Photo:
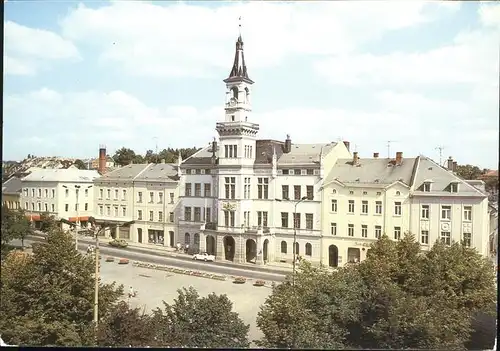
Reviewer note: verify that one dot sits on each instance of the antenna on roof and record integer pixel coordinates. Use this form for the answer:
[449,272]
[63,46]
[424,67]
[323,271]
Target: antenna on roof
[389,147]
[440,148]
[239,26]
[156,139]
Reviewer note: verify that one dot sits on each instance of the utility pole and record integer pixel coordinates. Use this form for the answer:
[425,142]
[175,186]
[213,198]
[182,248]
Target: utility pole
[96,286]
[440,148]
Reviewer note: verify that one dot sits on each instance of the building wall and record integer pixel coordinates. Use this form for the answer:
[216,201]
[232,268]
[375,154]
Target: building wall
[110,206]
[12,201]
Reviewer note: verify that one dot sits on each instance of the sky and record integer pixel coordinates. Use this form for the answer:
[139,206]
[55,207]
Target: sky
[145,74]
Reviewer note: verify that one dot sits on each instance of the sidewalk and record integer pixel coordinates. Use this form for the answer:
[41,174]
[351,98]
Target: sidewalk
[156,250]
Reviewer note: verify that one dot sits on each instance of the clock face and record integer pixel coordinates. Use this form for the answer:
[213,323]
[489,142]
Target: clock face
[232,102]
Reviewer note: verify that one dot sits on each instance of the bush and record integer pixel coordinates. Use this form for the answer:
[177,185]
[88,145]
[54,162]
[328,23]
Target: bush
[239,280]
[259,283]
[123,261]
[118,243]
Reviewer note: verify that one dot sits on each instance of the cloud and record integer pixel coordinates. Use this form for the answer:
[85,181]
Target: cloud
[182,39]
[29,49]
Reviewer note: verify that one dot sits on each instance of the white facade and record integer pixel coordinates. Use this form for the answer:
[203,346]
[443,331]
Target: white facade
[56,191]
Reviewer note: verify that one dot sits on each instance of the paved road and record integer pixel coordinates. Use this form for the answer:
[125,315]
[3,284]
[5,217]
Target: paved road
[174,262]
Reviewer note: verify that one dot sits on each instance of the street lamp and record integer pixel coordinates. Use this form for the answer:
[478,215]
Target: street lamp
[77,191]
[102,228]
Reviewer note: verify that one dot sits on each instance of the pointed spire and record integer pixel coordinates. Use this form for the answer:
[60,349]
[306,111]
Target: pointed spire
[239,69]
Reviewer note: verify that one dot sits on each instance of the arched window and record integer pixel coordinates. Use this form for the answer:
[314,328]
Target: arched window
[296,248]
[247,95]
[309,249]
[187,238]
[234,92]
[334,191]
[283,247]
[398,193]
[197,240]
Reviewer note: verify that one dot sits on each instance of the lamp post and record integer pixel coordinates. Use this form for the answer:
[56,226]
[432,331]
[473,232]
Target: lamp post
[77,191]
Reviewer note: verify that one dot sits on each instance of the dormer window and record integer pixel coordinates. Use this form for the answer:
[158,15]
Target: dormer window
[427,187]
[454,187]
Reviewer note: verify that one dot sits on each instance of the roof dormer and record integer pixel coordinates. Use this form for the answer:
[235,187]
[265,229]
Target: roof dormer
[454,187]
[427,186]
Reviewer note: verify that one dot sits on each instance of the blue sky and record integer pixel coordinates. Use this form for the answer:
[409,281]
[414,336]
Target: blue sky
[423,74]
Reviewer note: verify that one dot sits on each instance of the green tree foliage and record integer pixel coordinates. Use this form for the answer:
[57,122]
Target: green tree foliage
[194,321]
[469,171]
[15,225]
[125,156]
[80,164]
[47,297]
[48,222]
[399,297]
[124,327]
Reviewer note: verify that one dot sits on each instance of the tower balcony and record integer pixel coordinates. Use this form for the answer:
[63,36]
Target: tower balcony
[241,124]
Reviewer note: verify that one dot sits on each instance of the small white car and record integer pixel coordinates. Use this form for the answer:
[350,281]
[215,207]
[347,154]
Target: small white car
[203,256]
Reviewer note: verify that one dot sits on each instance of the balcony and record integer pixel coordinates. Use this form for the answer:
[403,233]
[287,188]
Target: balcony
[257,230]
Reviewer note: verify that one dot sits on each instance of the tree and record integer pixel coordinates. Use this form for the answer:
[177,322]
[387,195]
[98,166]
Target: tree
[192,321]
[80,164]
[47,222]
[124,327]
[469,172]
[399,297]
[15,225]
[48,299]
[124,156]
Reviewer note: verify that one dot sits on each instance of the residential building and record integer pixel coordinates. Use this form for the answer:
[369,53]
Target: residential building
[239,194]
[11,193]
[144,193]
[366,198]
[56,191]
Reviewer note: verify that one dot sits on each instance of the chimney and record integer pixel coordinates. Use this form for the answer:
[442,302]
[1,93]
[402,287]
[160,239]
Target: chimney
[347,145]
[214,152]
[375,155]
[454,167]
[288,144]
[355,158]
[102,159]
[399,158]
[450,164]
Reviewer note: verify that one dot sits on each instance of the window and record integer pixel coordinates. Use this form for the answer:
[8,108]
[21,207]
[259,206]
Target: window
[397,233]
[467,240]
[139,197]
[139,215]
[351,206]
[207,189]
[116,194]
[76,207]
[151,197]
[296,171]
[364,207]
[230,187]
[124,211]
[425,211]
[197,189]
[378,207]
[424,237]
[208,214]
[284,219]
[187,189]
[246,189]
[365,193]
[350,230]
[171,217]
[39,206]
[197,214]
[116,211]
[285,195]
[53,193]
[33,206]
[262,218]
[39,192]
[231,151]
[308,249]
[229,218]
[296,191]
[309,221]
[187,213]
[454,188]
[262,188]
[108,210]
[101,193]
[379,193]
[86,207]
[198,171]
[334,205]
[446,238]
[398,193]
[310,192]
[52,207]
[188,171]
[160,216]
[101,210]
[426,187]
[333,228]
[297,251]
[283,247]
[364,231]
[467,213]
[296,220]
[124,194]
[108,194]
[351,192]
[26,192]
[286,172]
[86,192]
[397,208]
[66,207]
[246,218]
[66,192]
[46,193]
[446,212]
[33,192]
[171,198]
[46,206]
[310,171]
[160,197]
[378,231]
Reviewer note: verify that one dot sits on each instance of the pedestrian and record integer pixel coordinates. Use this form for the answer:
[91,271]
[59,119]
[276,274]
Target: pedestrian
[131,292]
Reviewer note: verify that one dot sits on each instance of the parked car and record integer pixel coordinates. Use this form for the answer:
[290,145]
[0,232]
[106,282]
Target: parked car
[204,256]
